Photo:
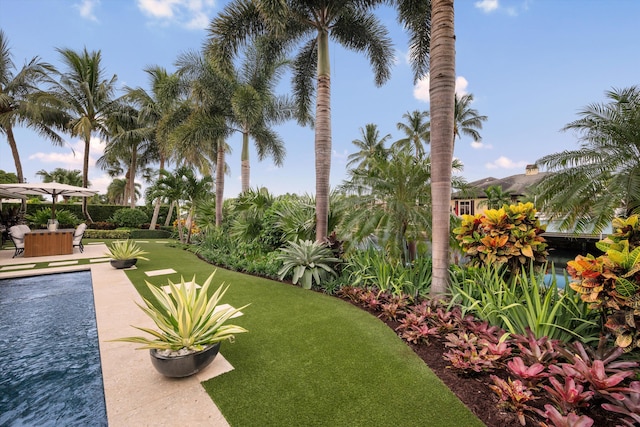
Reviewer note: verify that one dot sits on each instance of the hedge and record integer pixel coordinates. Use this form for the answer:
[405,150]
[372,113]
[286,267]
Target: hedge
[99,213]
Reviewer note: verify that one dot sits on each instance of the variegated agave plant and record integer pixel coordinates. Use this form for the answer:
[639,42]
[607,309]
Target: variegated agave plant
[187,318]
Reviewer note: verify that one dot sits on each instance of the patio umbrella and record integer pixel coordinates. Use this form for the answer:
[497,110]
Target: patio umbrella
[54,189]
[5,194]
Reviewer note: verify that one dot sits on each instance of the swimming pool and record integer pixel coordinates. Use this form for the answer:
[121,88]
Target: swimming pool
[50,372]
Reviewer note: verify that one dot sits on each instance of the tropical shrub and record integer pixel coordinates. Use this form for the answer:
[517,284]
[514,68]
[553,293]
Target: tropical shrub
[128,217]
[40,217]
[305,261]
[509,236]
[523,304]
[610,282]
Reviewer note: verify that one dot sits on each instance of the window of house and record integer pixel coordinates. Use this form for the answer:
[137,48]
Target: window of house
[465,207]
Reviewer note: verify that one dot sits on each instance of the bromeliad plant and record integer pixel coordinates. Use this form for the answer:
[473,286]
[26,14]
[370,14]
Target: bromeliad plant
[611,282]
[509,236]
[308,260]
[125,249]
[187,318]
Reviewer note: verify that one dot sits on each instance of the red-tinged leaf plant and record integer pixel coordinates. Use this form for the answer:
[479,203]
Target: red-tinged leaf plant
[570,420]
[531,375]
[513,395]
[568,396]
[626,403]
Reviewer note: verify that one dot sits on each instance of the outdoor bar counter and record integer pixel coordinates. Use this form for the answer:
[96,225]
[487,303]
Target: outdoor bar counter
[45,242]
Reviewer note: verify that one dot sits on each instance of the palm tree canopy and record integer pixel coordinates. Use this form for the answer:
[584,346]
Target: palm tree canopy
[416,130]
[371,147]
[591,183]
[292,24]
[467,120]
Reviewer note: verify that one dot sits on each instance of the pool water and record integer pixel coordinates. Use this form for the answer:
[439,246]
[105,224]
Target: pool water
[50,372]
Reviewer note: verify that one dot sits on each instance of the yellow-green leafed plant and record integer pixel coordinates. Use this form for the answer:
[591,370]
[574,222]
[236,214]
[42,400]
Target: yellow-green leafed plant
[126,249]
[186,317]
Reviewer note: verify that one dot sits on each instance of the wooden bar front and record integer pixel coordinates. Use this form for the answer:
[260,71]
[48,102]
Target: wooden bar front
[45,243]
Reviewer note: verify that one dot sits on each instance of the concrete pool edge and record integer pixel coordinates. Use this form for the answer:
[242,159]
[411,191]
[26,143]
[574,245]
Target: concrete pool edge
[135,394]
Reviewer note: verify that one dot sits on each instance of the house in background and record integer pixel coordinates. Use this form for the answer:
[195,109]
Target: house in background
[474,199]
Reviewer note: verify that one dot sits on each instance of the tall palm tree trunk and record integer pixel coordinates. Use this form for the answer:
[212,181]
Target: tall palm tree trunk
[323,138]
[132,180]
[244,159]
[442,92]
[219,182]
[167,221]
[16,160]
[85,177]
[156,208]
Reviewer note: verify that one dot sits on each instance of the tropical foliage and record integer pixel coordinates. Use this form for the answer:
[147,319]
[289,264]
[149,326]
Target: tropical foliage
[611,283]
[125,249]
[602,177]
[306,261]
[509,236]
[186,317]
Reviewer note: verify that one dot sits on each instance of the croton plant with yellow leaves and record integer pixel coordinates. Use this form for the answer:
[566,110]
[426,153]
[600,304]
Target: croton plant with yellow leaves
[611,282]
[508,236]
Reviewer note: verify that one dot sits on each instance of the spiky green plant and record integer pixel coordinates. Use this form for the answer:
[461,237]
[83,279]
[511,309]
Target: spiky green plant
[308,260]
[186,317]
[125,249]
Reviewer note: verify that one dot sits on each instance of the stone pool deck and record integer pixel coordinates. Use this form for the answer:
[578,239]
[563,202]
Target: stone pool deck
[135,394]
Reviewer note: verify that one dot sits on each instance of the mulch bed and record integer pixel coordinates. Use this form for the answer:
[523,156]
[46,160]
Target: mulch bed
[475,393]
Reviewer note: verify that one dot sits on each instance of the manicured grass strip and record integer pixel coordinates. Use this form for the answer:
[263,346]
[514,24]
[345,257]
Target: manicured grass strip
[312,360]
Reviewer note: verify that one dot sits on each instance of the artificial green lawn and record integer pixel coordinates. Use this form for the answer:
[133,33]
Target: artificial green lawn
[310,359]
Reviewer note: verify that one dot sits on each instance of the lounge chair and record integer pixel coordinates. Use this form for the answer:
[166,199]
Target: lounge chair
[17,233]
[77,236]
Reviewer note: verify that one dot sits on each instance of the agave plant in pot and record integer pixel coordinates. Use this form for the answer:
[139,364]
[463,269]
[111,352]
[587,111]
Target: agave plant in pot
[125,253]
[191,326]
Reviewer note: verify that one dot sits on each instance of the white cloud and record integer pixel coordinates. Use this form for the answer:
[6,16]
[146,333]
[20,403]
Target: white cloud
[479,145]
[72,159]
[505,163]
[100,182]
[421,89]
[487,6]
[193,14]
[86,8]
[340,156]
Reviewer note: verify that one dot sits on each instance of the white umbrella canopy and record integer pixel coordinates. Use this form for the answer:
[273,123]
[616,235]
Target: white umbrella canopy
[5,194]
[53,189]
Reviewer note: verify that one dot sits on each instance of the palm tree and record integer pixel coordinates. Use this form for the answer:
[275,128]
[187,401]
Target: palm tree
[118,192]
[442,78]
[255,106]
[371,148]
[132,143]
[195,190]
[200,139]
[17,106]
[392,201]
[160,110]
[496,197]
[62,176]
[467,120]
[602,177]
[416,131]
[309,25]
[86,97]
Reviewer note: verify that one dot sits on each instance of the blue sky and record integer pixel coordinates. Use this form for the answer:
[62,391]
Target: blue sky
[531,65]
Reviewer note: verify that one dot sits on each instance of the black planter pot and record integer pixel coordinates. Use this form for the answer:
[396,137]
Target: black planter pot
[123,263]
[184,366]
